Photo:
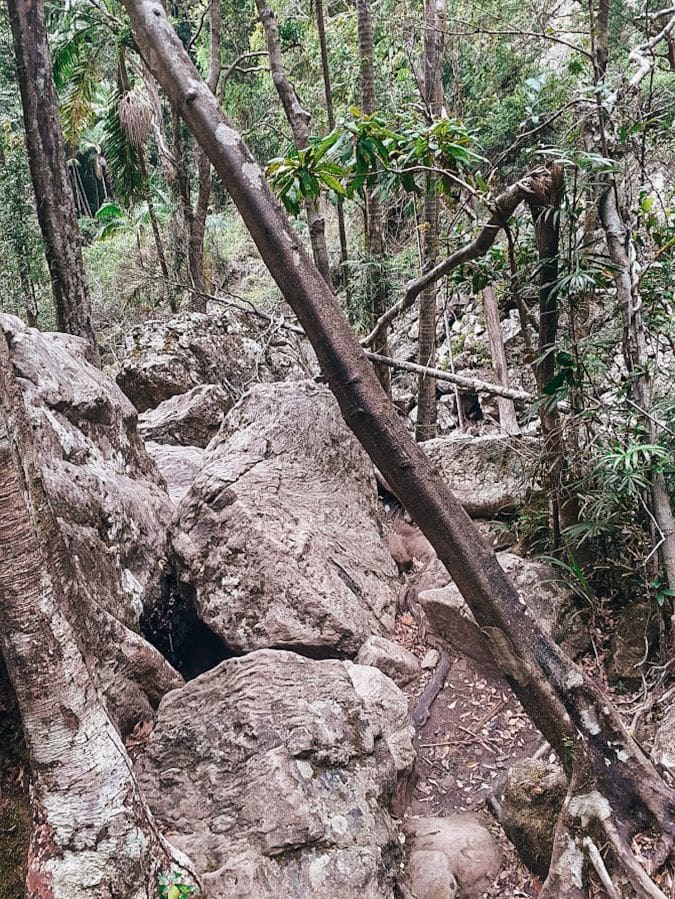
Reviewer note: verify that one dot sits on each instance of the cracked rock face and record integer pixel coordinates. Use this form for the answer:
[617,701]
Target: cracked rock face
[188,419]
[278,542]
[274,775]
[110,505]
[163,359]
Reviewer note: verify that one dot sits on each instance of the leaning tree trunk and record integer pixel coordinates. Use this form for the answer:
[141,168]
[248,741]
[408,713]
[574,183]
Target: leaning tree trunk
[330,113]
[46,156]
[376,277]
[427,404]
[298,119]
[93,834]
[572,712]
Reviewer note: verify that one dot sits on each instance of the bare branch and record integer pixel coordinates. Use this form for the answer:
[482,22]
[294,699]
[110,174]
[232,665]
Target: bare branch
[475,384]
[534,185]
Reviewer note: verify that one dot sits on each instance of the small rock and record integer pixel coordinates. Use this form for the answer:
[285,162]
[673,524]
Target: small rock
[396,662]
[531,802]
[470,849]
[430,876]
[431,659]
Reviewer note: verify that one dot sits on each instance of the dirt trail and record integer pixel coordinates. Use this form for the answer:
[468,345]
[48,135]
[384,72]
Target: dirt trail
[475,732]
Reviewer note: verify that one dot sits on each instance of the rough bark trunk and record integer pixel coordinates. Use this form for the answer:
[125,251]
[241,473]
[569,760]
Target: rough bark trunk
[620,246]
[198,229]
[93,833]
[328,93]
[622,253]
[564,506]
[507,410]
[376,281]
[570,710]
[46,156]
[427,406]
[298,119]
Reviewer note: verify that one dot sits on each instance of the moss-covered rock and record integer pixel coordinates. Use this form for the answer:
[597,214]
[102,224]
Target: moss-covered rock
[531,802]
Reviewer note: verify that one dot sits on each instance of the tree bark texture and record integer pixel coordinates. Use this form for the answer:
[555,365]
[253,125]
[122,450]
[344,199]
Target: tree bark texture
[507,410]
[46,156]
[427,405]
[93,834]
[299,120]
[569,708]
[376,279]
[546,218]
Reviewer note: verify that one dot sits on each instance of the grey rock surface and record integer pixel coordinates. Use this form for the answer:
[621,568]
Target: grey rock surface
[488,474]
[187,419]
[166,357]
[473,855]
[179,466]
[111,507]
[274,776]
[278,540]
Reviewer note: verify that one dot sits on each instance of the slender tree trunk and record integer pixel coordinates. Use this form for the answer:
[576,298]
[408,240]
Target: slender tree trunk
[427,404]
[198,229]
[93,834]
[507,409]
[330,113]
[376,280]
[299,120]
[623,253]
[575,715]
[46,155]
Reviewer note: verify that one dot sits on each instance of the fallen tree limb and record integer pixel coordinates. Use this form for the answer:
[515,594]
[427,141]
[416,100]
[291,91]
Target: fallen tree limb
[534,186]
[475,384]
[422,709]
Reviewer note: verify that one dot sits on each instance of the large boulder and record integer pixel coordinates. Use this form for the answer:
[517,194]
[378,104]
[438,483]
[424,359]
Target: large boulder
[277,543]
[548,599]
[164,358]
[274,776]
[488,474]
[111,507]
[187,419]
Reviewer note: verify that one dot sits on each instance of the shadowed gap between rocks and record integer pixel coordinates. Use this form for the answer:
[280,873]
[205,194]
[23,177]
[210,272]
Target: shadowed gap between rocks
[174,628]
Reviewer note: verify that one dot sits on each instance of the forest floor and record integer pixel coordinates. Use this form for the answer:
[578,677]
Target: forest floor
[475,732]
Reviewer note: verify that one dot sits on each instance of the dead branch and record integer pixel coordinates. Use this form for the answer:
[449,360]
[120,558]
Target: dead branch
[422,709]
[534,186]
[475,384]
